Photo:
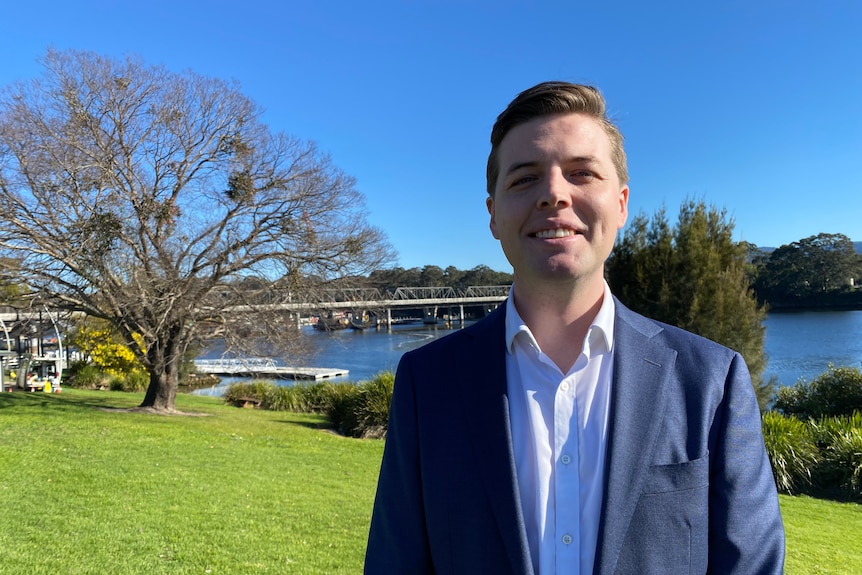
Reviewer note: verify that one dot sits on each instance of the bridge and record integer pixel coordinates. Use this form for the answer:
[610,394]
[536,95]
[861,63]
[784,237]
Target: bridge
[358,300]
[353,300]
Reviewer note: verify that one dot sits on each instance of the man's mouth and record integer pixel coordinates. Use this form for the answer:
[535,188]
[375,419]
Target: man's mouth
[555,233]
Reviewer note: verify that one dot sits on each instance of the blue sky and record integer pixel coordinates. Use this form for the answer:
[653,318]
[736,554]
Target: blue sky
[751,105]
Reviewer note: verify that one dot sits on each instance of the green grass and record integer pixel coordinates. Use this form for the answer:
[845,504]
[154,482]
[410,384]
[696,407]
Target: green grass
[85,490]
[89,490]
[822,536]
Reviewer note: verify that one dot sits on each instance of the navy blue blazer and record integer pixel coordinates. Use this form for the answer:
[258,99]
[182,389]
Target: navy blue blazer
[689,488]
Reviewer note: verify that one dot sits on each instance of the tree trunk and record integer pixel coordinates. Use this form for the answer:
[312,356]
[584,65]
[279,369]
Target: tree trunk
[163,362]
[162,392]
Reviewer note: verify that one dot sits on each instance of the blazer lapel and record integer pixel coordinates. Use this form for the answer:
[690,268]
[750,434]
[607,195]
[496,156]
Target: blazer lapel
[483,364]
[640,368]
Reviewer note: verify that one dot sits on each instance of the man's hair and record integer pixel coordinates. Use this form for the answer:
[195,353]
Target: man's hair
[548,99]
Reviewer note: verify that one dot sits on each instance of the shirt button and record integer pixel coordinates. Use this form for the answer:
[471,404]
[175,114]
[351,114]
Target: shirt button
[566,459]
[564,386]
[567,539]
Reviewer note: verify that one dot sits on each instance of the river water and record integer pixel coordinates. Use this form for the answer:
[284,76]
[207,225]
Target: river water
[803,344]
[798,344]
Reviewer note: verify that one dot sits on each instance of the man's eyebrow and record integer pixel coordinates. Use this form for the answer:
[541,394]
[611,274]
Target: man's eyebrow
[520,166]
[583,160]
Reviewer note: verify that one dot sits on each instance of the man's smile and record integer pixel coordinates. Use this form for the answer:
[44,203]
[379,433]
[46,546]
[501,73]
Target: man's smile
[555,233]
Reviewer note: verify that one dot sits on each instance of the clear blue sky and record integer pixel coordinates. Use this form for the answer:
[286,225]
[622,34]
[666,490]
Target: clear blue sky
[751,105]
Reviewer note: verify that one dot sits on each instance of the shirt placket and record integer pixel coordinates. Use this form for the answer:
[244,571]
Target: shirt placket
[566,480]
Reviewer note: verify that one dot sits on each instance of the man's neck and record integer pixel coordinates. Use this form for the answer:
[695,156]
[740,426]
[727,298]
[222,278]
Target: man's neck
[559,316]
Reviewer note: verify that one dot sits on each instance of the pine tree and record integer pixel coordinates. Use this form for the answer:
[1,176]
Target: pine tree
[694,276]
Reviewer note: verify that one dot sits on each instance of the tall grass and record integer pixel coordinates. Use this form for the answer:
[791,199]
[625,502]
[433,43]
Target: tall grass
[840,442]
[791,449]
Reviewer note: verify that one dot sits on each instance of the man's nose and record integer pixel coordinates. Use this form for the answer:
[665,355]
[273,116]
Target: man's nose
[555,191]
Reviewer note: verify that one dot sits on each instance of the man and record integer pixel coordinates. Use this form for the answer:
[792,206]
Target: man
[565,433]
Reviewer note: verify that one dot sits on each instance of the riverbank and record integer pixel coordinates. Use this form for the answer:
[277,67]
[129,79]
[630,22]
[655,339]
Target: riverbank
[832,301]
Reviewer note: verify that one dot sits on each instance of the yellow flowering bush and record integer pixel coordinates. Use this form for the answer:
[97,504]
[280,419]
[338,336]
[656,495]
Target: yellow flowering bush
[98,342]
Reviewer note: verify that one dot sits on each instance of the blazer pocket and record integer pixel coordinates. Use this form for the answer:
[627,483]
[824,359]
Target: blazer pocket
[678,476]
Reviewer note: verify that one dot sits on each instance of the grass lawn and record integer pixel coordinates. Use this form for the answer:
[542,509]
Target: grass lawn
[822,536]
[88,489]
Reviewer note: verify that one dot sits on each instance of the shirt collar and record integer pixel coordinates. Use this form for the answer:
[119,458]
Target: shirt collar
[601,327]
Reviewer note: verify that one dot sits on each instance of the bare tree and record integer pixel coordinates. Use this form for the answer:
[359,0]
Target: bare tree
[146,197]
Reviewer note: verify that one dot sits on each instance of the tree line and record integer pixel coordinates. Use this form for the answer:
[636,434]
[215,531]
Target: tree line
[434,276]
[818,271]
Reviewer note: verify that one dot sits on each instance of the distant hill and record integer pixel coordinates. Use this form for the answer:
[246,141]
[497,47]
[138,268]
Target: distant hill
[856,245]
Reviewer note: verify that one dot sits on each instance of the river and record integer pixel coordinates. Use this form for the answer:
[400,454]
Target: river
[803,344]
[798,344]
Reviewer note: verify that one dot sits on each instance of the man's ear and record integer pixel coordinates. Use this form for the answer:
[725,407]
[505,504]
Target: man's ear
[489,203]
[624,207]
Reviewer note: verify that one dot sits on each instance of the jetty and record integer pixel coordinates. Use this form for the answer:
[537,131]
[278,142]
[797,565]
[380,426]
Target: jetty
[264,367]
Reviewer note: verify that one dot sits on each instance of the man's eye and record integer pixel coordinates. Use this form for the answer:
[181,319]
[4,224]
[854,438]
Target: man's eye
[583,174]
[522,180]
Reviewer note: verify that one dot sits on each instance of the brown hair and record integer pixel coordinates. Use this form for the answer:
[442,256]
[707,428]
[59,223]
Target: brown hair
[547,99]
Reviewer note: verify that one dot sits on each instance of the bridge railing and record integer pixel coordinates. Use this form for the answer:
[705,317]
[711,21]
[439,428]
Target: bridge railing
[486,291]
[245,363]
[325,297]
[407,293]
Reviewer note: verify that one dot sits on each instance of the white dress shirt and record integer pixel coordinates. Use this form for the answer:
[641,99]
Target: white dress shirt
[559,431]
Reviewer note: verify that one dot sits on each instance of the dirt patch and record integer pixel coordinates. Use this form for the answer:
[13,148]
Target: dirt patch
[153,411]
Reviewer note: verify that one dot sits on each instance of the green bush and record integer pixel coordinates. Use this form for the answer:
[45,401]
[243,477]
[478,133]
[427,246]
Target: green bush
[365,413]
[356,410]
[322,396]
[840,442]
[116,383]
[792,451]
[373,409]
[137,381]
[283,398]
[88,376]
[257,390]
[837,391]
[335,401]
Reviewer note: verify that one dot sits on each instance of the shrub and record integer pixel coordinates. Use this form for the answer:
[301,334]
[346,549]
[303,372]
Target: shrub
[837,391]
[129,382]
[257,390]
[322,397]
[137,380]
[356,410]
[840,442]
[365,413]
[792,451]
[88,376]
[283,398]
[337,403]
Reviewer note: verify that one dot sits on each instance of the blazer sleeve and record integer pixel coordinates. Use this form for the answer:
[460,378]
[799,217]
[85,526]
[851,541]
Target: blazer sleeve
[398,540]
[746,533]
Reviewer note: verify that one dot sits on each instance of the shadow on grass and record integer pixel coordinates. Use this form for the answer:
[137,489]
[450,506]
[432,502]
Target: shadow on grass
[56,401]
[322,425]
[835,494]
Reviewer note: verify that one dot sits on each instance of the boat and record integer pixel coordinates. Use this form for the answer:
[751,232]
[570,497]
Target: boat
[364,320]
[332,322]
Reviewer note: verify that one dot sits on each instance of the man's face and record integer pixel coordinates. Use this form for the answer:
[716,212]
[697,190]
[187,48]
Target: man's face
[558,202]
